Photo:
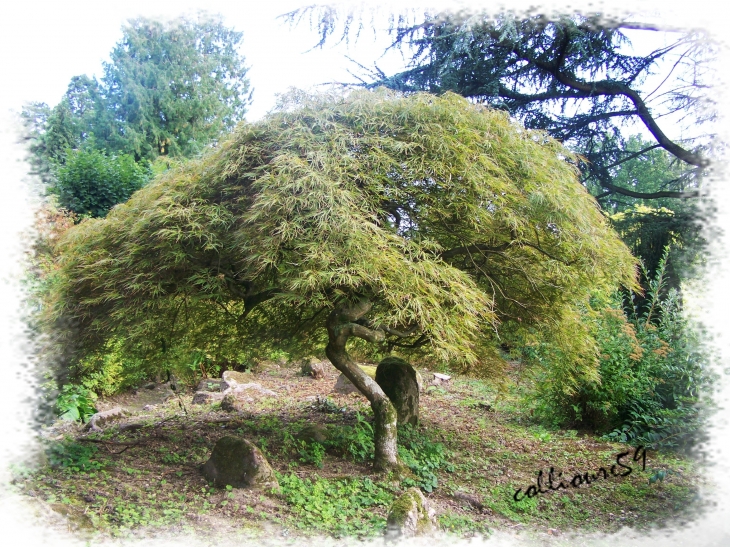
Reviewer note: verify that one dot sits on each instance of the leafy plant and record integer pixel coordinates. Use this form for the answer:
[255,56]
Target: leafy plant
[356,441]
[73,456]
[309,452]
[75,403]
[651,367]
[91,183]
[341,506]
[423,457]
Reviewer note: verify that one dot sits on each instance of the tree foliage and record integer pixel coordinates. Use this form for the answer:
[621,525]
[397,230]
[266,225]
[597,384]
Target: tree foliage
[421,223]
[90,182]
[570,75]
[172,88]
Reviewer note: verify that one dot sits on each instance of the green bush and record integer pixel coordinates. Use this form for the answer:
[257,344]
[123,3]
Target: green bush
[652,369]
[75,403]
[109,371]
[91,183]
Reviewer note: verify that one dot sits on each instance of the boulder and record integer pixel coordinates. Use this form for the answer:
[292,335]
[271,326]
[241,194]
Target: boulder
[102,418]
[210,384]
[313,433]
[237,462]
[314,368]
[344,386]
[249,389]
[206,397]
[399,381]
[439,379]
[232,378]
[232,403]
[410,515]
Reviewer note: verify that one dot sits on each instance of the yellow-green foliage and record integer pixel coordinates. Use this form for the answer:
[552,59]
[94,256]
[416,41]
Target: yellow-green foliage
[449,217]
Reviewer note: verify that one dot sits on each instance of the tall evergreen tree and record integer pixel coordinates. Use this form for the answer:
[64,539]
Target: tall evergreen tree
[172,88]
[572,76]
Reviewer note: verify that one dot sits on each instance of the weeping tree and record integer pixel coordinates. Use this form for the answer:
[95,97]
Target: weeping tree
[422,224]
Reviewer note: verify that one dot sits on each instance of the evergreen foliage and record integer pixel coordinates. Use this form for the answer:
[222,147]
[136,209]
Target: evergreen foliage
[90,182]
[173,88]
[570,75]
[170,90]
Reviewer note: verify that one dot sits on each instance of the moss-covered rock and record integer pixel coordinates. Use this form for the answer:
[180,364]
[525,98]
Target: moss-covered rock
[399,381]
[313,433]
[344,385]
[410,515]
[238,462]
[231,378]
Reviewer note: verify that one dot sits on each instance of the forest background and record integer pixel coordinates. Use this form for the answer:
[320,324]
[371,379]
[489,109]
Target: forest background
[14,212]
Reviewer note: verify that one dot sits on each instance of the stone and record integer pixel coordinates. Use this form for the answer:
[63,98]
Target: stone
[439,379]
[210,384]
[312,367]
[101,418]
[410,515]
[399,381]
[344,386]
[237,462]
[313,433]
[233,377]
[249,389]
[471,499]
[206,397]
[232,403]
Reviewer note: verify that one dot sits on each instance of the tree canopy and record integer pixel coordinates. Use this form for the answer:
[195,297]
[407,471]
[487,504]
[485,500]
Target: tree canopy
[170,90]
[416,223]
[572,75]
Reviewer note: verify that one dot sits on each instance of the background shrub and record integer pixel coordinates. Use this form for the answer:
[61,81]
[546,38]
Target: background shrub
[652,370]
[91,183]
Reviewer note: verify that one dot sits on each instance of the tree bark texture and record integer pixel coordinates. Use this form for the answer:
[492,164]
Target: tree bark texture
[340,327]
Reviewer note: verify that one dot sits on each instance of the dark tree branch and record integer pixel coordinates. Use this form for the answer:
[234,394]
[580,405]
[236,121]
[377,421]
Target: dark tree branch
[645,195]
[610,88]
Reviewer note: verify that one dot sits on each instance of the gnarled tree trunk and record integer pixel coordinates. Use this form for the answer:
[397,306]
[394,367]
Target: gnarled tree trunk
[340,327]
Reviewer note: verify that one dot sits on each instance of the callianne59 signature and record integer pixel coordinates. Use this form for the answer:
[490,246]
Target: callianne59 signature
[585,478]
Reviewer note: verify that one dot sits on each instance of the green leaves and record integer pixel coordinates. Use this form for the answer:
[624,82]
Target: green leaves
[339,506]
[173,88]
[450,219]
[91,183]
[75,403]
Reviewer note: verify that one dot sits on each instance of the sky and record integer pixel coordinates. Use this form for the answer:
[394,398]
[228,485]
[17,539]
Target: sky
[44,44]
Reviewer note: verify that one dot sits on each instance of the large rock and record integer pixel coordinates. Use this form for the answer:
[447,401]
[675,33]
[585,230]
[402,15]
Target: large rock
[206,397]
[250,389]
[231,378]
[344,386]
[410,515]
[238,462]
[233,402]
[102,418]
[399,381]
[210,384]
[314,368]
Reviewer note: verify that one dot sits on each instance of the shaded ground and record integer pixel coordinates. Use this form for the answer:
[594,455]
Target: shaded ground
[470,454]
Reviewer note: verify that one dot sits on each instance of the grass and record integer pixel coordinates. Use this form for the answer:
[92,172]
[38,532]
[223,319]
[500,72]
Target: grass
[471,440]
